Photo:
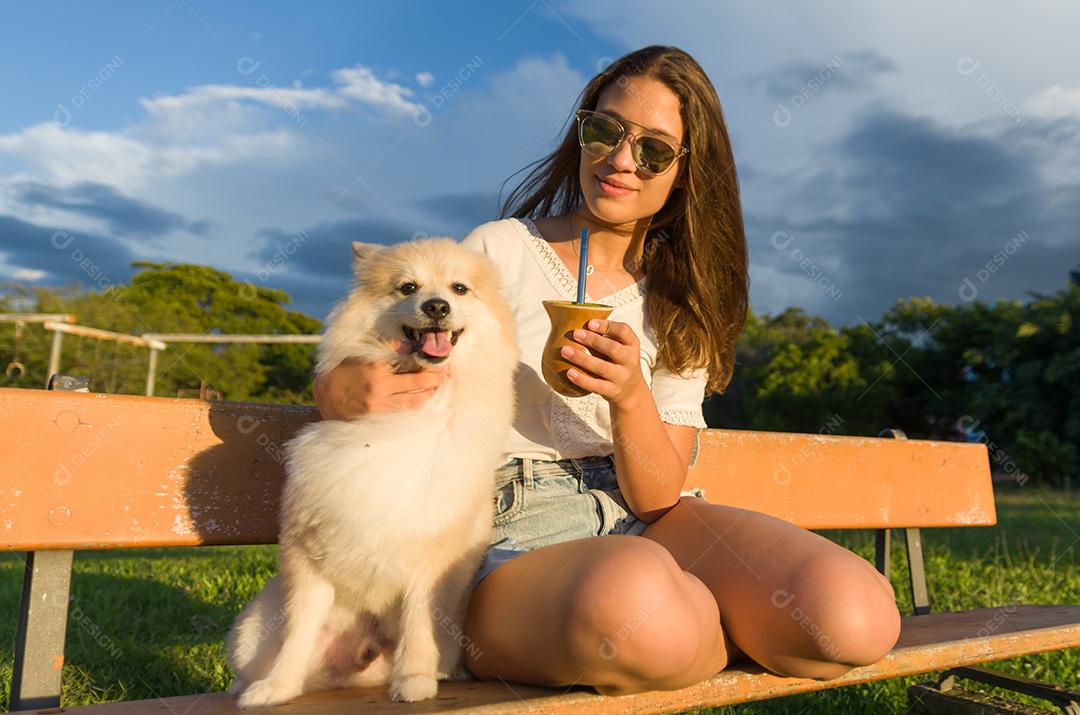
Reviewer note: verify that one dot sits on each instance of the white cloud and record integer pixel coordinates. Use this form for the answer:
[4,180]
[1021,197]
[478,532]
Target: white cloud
[424,79]
[361,84]
[206,125]
[355,85]
[65,156]
[282,97]
[520,112]
[28,274]
[1054,102]
[1017,47]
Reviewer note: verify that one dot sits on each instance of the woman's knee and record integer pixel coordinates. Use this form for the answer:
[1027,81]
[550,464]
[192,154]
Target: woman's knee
[629,609]
[845,614]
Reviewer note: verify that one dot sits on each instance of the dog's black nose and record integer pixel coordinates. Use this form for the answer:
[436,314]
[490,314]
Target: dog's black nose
[436,308]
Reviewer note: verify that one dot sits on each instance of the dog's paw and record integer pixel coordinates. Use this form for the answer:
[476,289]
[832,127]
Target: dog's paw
[267,692]
[458,673]
[412,688]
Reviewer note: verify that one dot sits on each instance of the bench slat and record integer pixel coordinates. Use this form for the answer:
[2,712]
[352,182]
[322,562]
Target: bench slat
[927,643]
[840,482]
[104,471]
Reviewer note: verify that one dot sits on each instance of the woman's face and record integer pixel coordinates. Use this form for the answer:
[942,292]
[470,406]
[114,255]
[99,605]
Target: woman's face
[647,103]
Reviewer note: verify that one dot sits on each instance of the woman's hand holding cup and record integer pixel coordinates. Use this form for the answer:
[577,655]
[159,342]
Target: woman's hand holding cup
[613,369]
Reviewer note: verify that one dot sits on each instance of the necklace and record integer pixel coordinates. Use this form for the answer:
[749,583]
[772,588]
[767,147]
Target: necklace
[589,270]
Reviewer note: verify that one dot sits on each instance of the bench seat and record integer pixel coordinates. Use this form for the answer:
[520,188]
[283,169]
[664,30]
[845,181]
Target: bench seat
[927,643]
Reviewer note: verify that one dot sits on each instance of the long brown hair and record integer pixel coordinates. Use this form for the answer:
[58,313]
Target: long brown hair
[695,255]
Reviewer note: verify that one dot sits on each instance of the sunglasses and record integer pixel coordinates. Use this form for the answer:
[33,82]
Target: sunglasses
[600,135]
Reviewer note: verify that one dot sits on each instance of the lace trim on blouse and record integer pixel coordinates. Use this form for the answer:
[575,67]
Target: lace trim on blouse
[561,276]
[680,416]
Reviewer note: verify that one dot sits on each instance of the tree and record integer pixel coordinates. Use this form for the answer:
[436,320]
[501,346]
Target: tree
[183,298]
[1006,373]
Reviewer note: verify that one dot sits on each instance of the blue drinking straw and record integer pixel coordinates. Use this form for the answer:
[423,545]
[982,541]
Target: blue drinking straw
[583,262]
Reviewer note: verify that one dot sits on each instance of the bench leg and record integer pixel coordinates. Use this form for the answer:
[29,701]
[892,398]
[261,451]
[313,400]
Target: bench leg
[39,644]
[944,695]
[920,596]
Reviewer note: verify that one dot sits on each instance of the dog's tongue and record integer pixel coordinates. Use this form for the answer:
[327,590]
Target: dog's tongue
[436,344]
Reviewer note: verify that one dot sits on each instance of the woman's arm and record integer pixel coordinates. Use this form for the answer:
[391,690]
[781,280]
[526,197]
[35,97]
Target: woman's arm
[651,458]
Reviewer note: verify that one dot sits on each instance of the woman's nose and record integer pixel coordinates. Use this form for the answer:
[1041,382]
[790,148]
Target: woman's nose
[623,157]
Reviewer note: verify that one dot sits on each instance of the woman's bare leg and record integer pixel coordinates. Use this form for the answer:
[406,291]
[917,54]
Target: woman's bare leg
[614,612]
[797,603]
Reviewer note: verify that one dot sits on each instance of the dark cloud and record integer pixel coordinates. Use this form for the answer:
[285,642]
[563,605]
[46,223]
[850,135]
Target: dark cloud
[914,209]
[315,279]
[66,256]
[848,71]
[323,251]
[125,216]
[913,160]
[871,61]
[460,213]
[314,265]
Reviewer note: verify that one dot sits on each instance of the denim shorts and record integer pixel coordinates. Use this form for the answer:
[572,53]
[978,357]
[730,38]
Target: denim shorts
[541,502]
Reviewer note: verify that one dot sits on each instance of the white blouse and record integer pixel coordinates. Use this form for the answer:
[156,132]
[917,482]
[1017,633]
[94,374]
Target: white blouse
[548,425]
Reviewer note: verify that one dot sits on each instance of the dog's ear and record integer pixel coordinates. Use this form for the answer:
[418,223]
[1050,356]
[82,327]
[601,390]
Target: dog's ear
[361,252]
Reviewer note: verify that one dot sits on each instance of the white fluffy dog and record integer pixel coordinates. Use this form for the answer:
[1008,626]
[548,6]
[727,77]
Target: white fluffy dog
[384,518]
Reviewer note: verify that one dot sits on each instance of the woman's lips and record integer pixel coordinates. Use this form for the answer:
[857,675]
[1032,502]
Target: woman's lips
[611,189]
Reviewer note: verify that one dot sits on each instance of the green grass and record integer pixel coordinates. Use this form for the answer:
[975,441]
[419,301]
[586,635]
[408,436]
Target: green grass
[151,622]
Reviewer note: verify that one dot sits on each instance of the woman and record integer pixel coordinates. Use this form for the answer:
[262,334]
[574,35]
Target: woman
[679,587]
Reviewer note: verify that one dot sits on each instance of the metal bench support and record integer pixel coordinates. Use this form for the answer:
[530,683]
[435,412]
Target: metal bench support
[920,596]
[39,642]
[945,696]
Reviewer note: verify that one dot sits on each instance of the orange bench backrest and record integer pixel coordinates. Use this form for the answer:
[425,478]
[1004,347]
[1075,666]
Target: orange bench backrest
[81,471]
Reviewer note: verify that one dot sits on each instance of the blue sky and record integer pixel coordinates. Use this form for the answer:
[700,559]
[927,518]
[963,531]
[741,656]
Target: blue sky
[882,151]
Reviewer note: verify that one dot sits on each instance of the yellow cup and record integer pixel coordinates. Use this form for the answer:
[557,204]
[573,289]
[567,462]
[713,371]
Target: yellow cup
[567,316]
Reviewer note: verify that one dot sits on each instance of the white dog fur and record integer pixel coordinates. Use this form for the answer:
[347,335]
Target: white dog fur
[384,518]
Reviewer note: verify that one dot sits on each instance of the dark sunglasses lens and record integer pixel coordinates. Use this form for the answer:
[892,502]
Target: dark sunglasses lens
[654,155]
[599,136]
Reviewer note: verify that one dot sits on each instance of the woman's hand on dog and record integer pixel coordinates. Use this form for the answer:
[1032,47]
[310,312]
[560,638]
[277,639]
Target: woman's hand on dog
[613,370]
[356,388]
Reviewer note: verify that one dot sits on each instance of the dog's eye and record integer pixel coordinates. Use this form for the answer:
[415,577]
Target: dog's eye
[460,288]
[408,288]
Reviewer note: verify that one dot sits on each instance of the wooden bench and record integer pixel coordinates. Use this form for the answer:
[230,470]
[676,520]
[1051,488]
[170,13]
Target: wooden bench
[93,471]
